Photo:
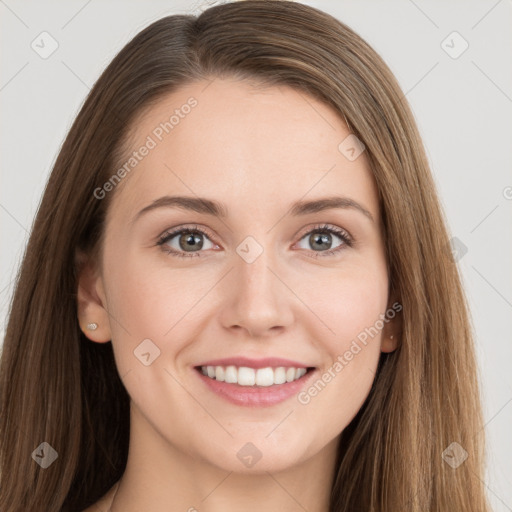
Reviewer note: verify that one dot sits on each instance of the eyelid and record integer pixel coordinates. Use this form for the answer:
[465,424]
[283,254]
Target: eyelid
[324,227]
[183,227]
[172,232]
[347,239]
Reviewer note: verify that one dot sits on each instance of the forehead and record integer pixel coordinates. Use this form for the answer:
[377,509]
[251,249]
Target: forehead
[247,146]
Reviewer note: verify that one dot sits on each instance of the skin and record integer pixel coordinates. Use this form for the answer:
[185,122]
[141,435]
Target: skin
[257,150]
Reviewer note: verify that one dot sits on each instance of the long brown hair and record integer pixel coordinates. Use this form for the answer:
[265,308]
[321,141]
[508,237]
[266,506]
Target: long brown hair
[59,388]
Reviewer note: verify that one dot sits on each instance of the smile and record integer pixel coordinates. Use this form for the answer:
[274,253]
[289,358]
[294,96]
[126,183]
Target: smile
[244,376]
[253,387]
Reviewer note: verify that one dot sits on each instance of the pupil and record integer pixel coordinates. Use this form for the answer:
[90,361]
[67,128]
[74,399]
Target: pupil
[322,238]
[189,240]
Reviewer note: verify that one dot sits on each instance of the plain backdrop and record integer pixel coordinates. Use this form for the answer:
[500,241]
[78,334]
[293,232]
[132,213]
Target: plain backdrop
[453,62]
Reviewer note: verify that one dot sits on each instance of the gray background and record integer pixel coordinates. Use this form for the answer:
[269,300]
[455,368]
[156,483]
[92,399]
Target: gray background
[462,106]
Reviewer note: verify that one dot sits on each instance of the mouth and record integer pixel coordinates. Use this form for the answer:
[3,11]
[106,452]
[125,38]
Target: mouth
[254,382]
[244,376]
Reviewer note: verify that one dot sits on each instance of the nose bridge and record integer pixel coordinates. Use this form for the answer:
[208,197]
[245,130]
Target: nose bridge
[259,298]
[255,280]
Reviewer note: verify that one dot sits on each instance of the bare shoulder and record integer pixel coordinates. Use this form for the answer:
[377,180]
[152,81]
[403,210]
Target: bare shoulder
[103,504]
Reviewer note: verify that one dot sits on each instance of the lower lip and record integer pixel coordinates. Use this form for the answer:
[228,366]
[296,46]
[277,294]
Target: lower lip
[255,396]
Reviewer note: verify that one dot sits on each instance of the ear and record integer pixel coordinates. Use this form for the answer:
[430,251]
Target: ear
[392,330]
[91,300]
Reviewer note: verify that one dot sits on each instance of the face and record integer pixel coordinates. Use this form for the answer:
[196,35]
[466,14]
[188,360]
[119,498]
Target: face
[265,279]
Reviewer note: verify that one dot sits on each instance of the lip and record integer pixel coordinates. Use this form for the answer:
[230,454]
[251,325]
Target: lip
[255,396]
[255,363]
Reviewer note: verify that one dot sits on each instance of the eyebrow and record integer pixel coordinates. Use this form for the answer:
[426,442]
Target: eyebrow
[217,209]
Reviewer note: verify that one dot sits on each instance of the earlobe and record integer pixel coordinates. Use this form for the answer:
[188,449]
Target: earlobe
[392,331]
[91,306]
[389,344]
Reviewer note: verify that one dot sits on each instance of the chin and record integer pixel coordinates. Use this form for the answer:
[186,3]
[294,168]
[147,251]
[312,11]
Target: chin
[257,456]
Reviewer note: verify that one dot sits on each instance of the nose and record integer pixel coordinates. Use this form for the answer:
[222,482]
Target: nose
[259,301]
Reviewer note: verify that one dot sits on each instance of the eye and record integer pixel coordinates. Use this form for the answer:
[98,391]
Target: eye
[320,237]
[191,238]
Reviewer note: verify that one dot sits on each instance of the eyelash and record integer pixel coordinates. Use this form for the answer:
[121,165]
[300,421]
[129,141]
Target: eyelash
[348,241]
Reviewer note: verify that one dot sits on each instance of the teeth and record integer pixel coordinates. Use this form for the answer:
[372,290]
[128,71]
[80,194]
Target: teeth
[279,375]
[265,377]
[231,374]
[219,373]
[244,376]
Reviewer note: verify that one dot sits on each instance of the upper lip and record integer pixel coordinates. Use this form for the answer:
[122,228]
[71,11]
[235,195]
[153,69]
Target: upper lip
[255,363]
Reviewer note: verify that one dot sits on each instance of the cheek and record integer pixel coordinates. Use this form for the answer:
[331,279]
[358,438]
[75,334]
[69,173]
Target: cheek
[350,304]
[355,314]
[144,301]
[147,302]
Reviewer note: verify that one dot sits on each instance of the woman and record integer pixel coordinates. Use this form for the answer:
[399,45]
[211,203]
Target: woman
[258,370]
